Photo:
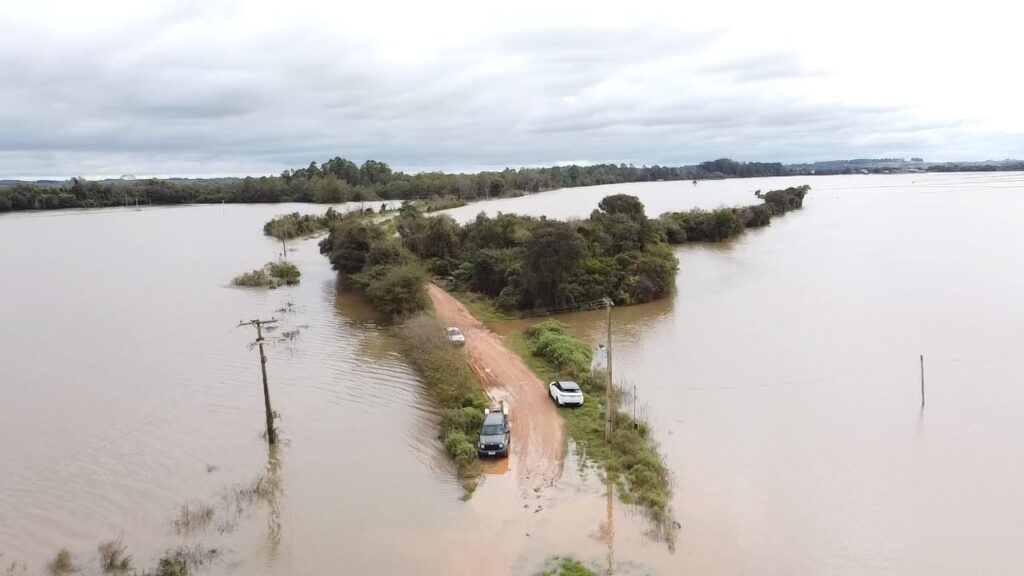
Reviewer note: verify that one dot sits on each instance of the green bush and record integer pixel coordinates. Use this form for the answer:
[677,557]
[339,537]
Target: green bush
[285,272]
[396,290]
[272,275]
[255,279]
[466,419]
[551,342]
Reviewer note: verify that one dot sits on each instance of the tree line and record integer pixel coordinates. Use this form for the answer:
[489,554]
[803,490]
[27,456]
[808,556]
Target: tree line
[340,180]
[525,263]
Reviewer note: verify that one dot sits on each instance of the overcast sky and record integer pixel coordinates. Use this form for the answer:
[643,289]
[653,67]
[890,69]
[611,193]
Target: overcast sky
[163,87]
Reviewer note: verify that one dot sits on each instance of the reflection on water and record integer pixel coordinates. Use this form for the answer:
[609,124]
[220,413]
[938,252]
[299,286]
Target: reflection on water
[782,382]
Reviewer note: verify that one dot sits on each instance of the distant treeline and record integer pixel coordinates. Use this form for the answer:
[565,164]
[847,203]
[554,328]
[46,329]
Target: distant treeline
[339,180]
[529,264]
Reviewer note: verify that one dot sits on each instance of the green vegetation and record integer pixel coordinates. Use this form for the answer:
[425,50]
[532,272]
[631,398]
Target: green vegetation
[451,384]
[272,275]
[61,564]
[552,343]
[296,225]
[378,265]
[725,223]
[631,460]
[340,180]
[192,517]
[527,265]
[442,203]
[566,567]
[480,306]
[114,557]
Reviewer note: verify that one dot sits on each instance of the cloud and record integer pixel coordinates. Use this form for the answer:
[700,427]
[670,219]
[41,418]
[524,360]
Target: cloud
[237,88]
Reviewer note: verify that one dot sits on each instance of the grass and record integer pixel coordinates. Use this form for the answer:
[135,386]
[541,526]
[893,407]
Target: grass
[272,275]
[453,386]
[566,567]
[481,307]
[184,560]
[631,458]
[114,557]
[192,517]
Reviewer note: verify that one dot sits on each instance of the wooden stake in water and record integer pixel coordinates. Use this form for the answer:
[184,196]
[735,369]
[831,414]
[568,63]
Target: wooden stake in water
[922,380]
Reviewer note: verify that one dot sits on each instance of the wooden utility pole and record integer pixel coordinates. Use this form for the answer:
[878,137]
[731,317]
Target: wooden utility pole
[922,380]
[271,434]
[610,390]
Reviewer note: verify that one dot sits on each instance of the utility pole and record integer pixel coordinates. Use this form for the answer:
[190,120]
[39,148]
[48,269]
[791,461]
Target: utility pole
[610,390]
[271,435]
[922,380]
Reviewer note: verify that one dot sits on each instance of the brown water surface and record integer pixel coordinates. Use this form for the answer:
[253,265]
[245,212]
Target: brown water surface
[782,382]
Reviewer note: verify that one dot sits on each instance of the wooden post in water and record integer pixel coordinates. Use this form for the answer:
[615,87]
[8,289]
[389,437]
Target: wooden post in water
[610,390]
[271,434]
[922,380]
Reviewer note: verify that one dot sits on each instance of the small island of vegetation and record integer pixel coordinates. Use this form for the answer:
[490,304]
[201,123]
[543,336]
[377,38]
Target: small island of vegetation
[272,275]
[526,265]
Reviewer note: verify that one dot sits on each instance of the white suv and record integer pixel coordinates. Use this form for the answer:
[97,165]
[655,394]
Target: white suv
[566,393]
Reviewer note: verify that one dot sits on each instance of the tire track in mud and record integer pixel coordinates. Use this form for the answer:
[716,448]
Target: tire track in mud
[538,434]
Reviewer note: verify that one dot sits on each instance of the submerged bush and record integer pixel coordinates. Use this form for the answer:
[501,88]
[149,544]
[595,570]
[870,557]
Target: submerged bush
[114,557]
[272,275]
[284,271]
[61,564]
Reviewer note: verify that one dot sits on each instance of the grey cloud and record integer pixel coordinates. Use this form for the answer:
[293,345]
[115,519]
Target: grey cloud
[154,98]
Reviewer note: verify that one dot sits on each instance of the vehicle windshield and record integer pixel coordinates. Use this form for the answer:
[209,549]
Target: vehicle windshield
[492,430]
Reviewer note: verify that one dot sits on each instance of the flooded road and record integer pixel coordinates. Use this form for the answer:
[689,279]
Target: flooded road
[782,382]
[538,432]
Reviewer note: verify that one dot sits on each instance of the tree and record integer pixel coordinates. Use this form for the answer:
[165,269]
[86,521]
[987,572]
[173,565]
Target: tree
[374,172]
[551,257]
[349,243]
[629,206]
[397,290]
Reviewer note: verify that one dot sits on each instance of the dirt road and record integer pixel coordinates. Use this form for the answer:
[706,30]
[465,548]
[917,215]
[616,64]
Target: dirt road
[538,435]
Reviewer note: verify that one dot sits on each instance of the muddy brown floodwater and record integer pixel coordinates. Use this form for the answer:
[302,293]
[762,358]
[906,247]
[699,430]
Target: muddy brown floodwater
[538,435]
[781,381]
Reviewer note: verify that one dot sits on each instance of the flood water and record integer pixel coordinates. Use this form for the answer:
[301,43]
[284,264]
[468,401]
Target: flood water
[783,383]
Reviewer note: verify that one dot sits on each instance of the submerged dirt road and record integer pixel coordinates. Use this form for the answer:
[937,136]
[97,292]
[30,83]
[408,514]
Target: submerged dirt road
[538,435]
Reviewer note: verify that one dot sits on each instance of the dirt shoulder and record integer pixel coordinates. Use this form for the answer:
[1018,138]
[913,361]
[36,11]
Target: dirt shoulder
[538,433]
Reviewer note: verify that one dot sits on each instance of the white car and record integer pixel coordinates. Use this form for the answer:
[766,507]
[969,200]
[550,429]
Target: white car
[455,336]
[566,393]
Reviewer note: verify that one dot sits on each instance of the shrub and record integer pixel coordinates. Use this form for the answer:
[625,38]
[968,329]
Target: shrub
[255,279]
[395,290]
[285,272]
[466,419]
[272,275]
[61,564]
[114,557]
[554,344]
